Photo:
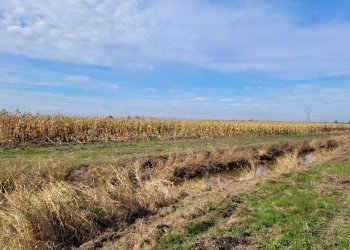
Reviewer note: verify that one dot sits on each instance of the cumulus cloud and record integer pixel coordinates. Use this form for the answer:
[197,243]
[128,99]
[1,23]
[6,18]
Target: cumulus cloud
[228,36]
[245,36]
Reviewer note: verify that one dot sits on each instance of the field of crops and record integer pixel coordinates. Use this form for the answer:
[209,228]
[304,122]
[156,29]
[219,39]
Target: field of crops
[17,128]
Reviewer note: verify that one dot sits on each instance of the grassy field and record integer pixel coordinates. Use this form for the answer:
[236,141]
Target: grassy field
[102,194]
[92,153]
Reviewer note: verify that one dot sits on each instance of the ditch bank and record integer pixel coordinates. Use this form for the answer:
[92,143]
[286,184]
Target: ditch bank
[219,165]
[260,159]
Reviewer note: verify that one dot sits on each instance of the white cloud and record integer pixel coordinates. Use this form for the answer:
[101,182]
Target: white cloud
[29,76]
[7,78]
[143,34]
[14,28]
[327,104]
[238,104]
[79,78]
[225,99]
[200,98]
[48,84]
[149,90]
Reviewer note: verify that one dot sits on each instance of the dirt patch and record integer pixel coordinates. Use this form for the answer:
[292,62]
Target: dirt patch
[162,229]
[189,173]
[329,144]
[306,148]
[223,242]
[230,206]
[338,180]
[273,153]
[192,172]
[196,213]
[100,241]
[345,182]
[155,161]
[75,174]
[240,213]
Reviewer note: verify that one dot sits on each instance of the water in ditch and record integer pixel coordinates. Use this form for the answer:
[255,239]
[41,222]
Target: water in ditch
[306,158]
[222,177]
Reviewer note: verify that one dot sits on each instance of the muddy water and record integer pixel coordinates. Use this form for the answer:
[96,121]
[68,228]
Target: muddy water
[221,178]
[261,169]
[307,158]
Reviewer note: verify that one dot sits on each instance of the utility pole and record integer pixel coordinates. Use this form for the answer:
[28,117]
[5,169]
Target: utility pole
[308,114]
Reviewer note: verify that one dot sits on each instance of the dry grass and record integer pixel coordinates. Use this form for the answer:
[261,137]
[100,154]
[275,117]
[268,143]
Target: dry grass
[21,128]
[63,213]
[54,215]
[288,161]
[62,207]
[21,176]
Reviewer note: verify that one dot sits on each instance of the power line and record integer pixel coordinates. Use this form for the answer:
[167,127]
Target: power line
[308,114]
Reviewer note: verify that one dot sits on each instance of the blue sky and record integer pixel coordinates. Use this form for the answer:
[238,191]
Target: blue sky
[254,59]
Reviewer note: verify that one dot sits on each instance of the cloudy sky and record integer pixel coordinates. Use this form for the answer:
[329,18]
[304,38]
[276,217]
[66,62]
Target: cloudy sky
[219,59]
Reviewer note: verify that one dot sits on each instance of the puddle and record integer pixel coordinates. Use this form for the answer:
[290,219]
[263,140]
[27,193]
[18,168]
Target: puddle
[259,170]
[216,181]
[221,178]
[308,158]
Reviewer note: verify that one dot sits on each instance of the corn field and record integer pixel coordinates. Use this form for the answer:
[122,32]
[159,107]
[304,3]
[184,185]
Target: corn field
[18,128]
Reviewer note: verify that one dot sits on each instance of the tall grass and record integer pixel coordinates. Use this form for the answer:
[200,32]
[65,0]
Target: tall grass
[62,213]
[27,128]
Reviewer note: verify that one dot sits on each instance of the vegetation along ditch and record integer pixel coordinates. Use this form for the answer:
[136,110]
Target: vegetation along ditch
[60,206]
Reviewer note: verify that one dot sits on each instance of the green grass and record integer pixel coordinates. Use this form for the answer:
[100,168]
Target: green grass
[91,153]
[185,240]
[342,167]
[198,227]
[295,211]
[290,216]
[173,241]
